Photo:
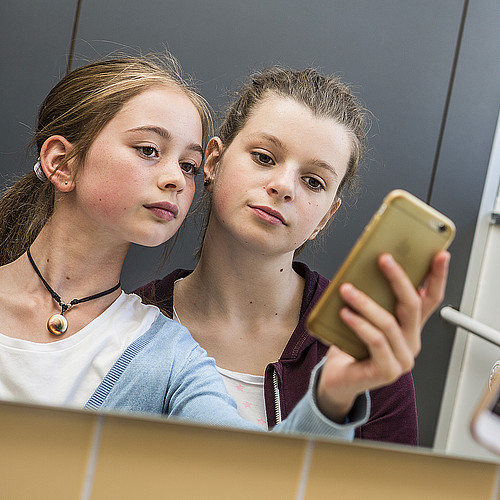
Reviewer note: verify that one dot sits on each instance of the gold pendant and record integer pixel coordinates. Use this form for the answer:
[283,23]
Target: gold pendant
[57,324]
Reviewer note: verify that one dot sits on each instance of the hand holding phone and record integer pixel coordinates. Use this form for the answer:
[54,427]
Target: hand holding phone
[407,228]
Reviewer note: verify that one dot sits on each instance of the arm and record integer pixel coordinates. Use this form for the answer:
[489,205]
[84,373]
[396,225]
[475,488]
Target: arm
[198,393]
[165,372]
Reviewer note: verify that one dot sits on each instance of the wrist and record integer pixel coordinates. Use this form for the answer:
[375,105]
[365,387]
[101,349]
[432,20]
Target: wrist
[336,409]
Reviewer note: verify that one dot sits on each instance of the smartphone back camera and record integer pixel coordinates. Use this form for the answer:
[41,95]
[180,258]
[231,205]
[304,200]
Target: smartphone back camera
[438,226]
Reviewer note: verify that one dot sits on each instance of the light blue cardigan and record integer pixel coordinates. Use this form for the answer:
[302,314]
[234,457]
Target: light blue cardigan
[166,372]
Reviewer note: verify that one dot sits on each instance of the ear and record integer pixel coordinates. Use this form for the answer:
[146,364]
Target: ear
[324,221]
[52,155]
[212,157]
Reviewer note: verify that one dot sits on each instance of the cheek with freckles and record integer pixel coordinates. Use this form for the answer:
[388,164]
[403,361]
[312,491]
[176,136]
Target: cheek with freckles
[108,200]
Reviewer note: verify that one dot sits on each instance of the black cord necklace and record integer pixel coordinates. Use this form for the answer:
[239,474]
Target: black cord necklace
[57,323]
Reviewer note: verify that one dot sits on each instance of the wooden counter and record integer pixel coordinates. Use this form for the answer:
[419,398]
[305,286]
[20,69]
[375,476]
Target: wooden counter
[48,453]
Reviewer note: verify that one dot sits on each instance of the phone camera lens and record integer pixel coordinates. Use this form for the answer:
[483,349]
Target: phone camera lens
[438,226]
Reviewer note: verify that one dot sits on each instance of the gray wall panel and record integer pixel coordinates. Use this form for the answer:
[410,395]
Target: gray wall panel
[35,42]
[458,187]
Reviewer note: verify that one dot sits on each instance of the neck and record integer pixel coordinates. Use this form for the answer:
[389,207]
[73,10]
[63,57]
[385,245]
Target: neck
[232,281]
[76,263]
[73,264]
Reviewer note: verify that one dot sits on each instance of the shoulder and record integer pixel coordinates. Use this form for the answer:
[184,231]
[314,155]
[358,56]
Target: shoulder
[167,334]
[314,285]
[162,284]
[154,364]
[312,278]
[165,347]
[160,292]
[301,340]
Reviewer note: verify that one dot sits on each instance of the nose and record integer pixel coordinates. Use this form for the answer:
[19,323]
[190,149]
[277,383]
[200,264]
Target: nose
[282,183]
[171,176]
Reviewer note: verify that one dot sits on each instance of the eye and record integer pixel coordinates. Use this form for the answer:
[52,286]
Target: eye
[189,168]
[262,158]
[148,151]
[314,183]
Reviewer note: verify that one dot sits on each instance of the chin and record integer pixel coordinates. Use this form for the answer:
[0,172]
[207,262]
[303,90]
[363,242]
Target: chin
[152,244]
[152,241]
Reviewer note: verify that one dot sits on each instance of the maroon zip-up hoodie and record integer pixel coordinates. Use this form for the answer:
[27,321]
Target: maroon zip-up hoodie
[393,416]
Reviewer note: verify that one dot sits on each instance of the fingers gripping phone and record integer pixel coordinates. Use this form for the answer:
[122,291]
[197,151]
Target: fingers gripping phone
[485,424]
[404,226]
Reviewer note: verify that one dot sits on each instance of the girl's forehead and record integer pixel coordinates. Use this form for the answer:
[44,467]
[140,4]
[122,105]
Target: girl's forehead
[161,94]
[279,109]
[162,103]
[163,109]
[285,115]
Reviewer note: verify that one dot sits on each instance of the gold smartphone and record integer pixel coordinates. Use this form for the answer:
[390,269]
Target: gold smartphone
[404,226]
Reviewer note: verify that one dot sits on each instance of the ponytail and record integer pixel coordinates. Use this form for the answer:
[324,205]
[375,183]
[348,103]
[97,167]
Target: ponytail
[24,210]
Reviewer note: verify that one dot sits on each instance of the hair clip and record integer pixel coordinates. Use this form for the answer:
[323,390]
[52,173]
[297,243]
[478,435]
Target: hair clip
[37,168]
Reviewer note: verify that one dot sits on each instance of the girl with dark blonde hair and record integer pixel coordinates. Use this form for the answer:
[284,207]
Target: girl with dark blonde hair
[286,151]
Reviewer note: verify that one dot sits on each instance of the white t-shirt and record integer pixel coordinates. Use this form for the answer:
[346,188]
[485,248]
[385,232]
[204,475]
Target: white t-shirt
[248,392]
[68,371]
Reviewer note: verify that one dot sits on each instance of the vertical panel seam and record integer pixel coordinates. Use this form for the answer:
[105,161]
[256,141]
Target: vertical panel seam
[304,473]
[495,491]
[90,468]
[73,36]
[448,99]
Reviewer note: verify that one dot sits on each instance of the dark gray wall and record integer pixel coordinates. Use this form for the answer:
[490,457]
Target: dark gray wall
[430,80]
[34,45]
[461,166]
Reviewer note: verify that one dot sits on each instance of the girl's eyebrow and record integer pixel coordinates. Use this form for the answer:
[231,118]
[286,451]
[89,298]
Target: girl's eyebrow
[162,132]
[326,166]
[165,134]
[275,140]
[267,137]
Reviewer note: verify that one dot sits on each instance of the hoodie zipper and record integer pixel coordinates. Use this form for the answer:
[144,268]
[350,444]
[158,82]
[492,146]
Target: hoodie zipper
[277,408]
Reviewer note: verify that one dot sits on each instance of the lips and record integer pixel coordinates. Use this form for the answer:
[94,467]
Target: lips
[268,214]
[163,210]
